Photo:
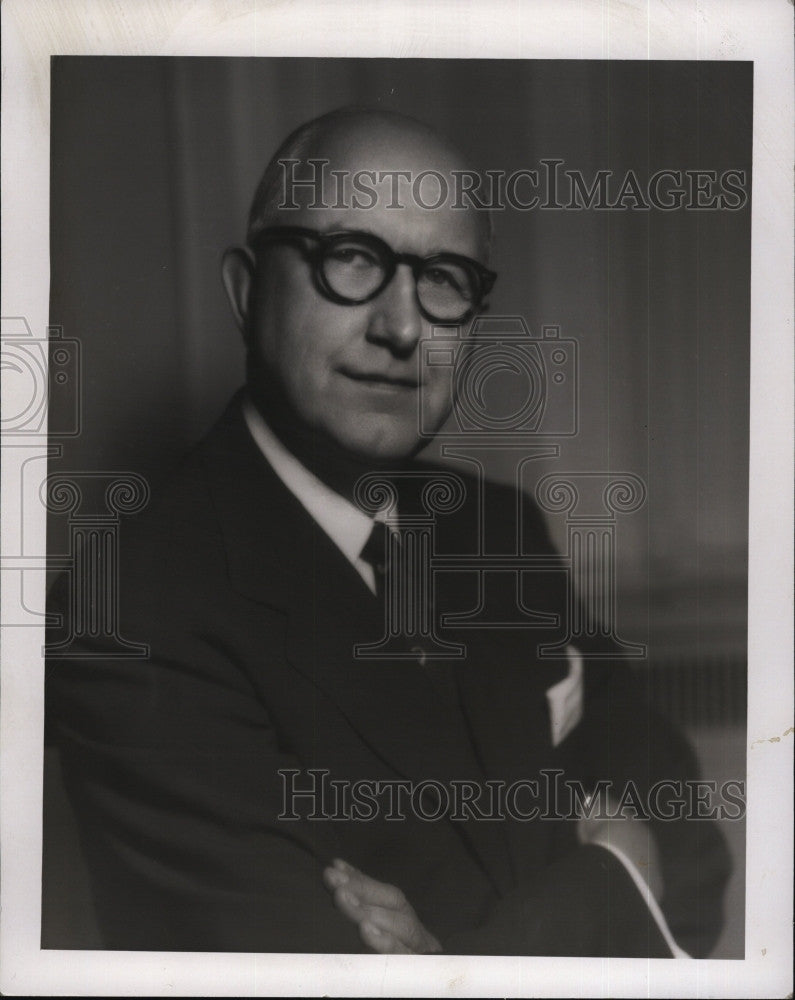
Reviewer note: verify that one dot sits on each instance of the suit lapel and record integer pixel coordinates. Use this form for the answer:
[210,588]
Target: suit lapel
[278,555]
[503,687]
[392,704]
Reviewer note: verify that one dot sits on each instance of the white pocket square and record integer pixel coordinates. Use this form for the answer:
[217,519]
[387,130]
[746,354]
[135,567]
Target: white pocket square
[565,699]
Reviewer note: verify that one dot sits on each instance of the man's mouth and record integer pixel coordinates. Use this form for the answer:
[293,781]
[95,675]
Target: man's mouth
[380,380]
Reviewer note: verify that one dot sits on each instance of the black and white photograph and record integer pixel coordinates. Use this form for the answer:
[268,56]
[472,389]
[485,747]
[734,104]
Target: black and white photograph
[381,507]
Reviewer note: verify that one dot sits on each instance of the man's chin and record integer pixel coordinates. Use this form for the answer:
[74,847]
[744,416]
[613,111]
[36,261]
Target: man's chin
[378,454]
[374,444]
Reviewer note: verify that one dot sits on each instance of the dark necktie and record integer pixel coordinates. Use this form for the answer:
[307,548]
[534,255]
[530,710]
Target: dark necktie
[375,552]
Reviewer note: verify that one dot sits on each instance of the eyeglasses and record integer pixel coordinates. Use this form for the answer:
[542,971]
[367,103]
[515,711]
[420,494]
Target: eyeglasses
[352,267]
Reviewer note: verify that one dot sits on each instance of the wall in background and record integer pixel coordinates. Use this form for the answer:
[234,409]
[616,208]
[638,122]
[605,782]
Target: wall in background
[154,162]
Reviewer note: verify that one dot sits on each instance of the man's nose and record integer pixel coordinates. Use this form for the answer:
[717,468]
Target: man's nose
[395,319]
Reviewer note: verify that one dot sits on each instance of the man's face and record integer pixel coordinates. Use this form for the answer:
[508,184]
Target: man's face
[351,373]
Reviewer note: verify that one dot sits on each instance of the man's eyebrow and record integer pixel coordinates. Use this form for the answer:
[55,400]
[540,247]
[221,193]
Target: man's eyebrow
[364,231]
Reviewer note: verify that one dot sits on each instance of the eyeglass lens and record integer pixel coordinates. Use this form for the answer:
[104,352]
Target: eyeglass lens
[355,271]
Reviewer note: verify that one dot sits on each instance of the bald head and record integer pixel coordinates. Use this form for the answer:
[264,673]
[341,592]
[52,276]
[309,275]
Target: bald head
[362,158]
[356,252]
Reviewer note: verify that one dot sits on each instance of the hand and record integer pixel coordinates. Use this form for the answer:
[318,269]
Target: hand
[387,921]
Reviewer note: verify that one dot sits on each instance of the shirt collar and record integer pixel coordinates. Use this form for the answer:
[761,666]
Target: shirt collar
[346,525]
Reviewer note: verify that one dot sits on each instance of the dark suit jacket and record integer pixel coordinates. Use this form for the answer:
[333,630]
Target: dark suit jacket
[251,614]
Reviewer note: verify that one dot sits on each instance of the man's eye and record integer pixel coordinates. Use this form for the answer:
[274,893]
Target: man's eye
[446,278]
[352,256]
[437,276]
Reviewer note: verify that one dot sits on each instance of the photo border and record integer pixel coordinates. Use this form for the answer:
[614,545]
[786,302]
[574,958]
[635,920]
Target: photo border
[758,31]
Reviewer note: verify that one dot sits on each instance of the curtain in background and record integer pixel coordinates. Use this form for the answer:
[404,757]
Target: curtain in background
[154,162]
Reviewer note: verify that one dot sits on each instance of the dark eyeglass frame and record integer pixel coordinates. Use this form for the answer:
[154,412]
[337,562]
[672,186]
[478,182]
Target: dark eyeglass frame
[484,278]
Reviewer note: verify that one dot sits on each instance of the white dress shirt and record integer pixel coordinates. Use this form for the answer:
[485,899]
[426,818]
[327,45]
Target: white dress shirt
[346,525]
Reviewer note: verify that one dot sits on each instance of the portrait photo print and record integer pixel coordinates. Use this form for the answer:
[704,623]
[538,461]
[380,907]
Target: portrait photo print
[397,505]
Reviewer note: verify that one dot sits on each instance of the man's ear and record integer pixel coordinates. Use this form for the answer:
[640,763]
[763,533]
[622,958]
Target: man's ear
[237,271]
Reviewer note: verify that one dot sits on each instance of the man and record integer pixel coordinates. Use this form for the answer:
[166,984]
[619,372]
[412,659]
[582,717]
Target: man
[197,774]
